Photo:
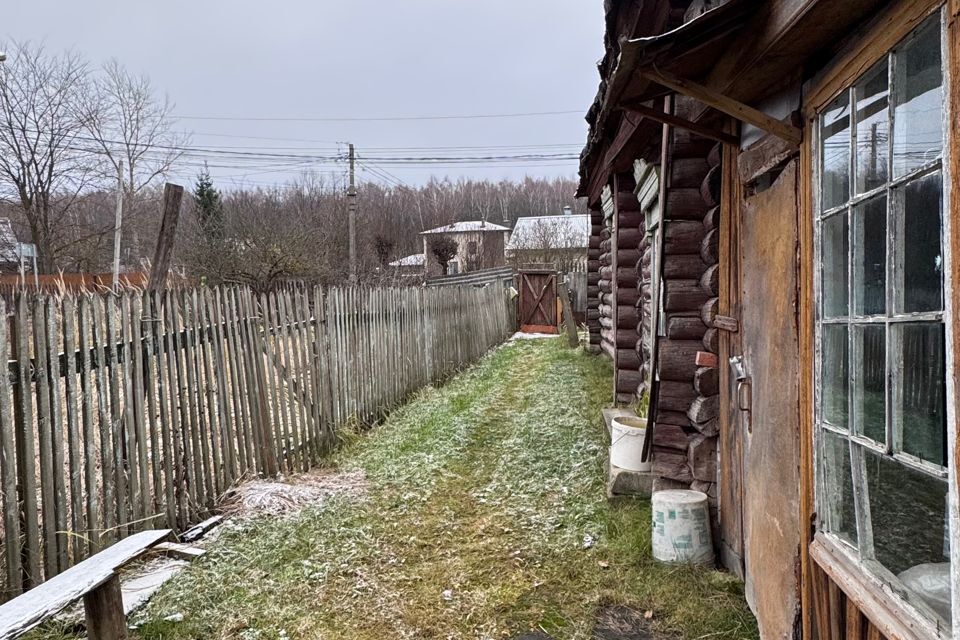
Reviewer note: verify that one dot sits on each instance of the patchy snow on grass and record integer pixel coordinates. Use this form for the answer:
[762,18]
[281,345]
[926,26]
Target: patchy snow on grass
[288,497]
[519,335]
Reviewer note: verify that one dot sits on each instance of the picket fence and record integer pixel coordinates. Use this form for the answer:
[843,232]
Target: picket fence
[140,410]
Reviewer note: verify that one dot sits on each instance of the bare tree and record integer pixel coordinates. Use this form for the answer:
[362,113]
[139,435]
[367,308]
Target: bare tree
[132,128]
[43,159]
[130,124]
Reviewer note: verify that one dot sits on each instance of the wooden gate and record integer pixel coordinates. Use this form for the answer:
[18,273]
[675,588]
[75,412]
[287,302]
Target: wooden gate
[538,301]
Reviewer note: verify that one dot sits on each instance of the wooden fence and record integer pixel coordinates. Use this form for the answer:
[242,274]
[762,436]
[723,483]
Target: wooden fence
[134,411]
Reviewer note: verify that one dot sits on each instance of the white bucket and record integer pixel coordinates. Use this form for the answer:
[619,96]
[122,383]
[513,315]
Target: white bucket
[681,527]
[626,443]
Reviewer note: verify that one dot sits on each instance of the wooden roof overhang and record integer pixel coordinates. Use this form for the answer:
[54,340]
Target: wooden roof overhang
[628,114]
[674,61]
[728,56]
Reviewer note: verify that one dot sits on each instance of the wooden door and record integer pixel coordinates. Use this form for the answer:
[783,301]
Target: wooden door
[764,388]
[538,301]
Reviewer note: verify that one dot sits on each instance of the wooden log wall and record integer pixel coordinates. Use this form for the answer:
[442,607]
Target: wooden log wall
[628,234]
[685,440]
[594,261]
[140,410]
[605,286]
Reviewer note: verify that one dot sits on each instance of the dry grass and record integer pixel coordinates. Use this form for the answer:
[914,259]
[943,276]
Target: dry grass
[288,497]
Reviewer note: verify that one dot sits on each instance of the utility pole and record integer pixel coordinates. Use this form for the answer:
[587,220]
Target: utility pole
[352,216]
[116,226]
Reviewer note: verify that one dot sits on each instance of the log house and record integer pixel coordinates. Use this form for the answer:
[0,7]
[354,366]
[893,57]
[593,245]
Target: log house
[774,210]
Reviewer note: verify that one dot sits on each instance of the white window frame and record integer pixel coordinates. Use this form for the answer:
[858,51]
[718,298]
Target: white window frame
[916,610]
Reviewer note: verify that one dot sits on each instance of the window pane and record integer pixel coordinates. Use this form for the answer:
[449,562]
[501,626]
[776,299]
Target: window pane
[836,250]
[920,403]
[873,128]
[835,368]
[839,513]
[920,247]
[869,395]
[835,152]
[908,514]
[870,259]
[918,100]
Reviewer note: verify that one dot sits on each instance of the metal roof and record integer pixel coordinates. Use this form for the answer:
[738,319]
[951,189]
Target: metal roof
[414,260]
[469,225]
[9,245]
[550,232]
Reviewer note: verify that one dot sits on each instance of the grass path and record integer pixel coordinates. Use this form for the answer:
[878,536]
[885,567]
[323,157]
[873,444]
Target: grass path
[482,493]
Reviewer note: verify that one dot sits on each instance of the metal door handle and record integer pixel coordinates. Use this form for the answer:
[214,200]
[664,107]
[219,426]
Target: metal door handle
[744,395]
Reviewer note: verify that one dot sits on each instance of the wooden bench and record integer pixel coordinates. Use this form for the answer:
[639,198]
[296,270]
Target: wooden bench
[94,579]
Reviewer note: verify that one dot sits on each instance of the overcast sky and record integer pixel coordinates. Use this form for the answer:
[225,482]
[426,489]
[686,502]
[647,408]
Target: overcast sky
[350,59]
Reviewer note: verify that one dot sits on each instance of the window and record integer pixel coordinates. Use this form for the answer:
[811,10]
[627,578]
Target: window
[881,427]
[472,248]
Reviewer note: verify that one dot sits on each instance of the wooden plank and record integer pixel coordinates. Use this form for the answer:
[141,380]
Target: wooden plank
[768,238]
[271,459]
[172,196]
[887,613]
[805,317]
[288,376]
[682,123]
[147,346]
[321,359]
[229,421]
[307,436]
[90,438]
[206,474]
[45,440]
[199,530]
[570,324]
[837,612]
[265,309]
[854,622]
[726,105]
[169,425]
[128,423]
[247,363]
[214,372]
[179,422]
[208,375]
[105,420]
[103,610]
[193,452]
[26,465]
[241,376]
[78,525]
[116,416]
[133,320]
[8,468]
[61,501]
[730,443]
[33,607]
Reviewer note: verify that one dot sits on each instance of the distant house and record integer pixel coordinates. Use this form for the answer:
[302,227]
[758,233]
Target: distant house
[412,265]
[480,245]
[560,241]
[15,256]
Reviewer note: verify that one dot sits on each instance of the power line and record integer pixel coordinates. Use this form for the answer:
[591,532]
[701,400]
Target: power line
[485,116]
